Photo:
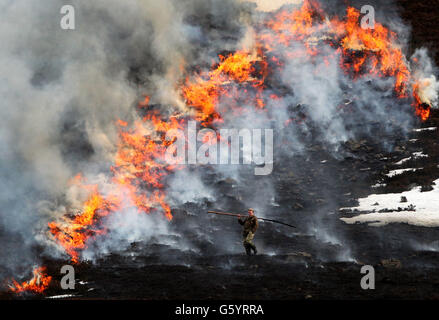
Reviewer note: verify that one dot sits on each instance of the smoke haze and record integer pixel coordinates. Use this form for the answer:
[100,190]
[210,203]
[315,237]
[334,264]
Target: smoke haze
[63,91]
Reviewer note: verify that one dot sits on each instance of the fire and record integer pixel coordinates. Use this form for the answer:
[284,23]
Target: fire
[139,170]
[138,177]
[380,53]
[363,51]
[73,232]
[422,108]
[139,163]
[38,284]
[293,25]
[204,91]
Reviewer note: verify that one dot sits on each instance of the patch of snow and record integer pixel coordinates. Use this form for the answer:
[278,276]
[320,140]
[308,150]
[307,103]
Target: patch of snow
[397,172]
[426,205]
[62,296]
[425,129]
[402,161]
[415,155]
[420,155]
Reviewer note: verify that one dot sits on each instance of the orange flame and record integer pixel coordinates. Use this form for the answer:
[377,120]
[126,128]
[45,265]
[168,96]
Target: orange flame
[38,284]
[363,51]
[422,109]
[203,92]
[139,171]
[72,233]
[381,55]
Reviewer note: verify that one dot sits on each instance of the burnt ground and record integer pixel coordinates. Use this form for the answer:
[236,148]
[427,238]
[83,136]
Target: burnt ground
[321,259]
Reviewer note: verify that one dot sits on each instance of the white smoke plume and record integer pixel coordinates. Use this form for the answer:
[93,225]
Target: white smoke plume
[424,75]
[63,90]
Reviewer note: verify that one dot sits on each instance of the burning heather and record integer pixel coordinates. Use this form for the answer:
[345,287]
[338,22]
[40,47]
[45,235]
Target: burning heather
[38,284]
[92,154]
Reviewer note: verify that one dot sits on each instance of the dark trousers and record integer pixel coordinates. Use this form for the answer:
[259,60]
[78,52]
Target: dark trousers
[248,242]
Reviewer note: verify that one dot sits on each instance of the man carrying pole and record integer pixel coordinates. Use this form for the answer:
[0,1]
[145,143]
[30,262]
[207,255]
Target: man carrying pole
[250,224]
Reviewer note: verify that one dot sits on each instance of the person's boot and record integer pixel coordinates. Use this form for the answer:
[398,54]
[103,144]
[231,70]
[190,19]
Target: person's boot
[255,251]
[248,250]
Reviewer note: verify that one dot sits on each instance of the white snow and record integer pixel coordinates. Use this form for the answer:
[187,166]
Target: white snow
[426,206]
[420,155]
[61,296]
[425,129]
[396,172]
[415,155]
[402,161]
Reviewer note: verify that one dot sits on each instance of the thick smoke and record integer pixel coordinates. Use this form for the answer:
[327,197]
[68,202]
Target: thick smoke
[64,90]
[320,92]
[424,73]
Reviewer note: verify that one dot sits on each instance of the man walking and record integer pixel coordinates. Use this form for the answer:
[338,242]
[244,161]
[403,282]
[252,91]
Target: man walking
[250,226]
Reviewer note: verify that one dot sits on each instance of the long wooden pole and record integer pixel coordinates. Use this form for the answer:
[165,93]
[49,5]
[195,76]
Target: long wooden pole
[241,215]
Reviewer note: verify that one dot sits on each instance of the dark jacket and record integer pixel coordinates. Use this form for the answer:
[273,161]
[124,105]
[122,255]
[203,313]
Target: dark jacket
[250,224]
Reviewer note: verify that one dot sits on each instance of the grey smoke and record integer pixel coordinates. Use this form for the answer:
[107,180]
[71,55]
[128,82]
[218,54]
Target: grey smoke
[63,90]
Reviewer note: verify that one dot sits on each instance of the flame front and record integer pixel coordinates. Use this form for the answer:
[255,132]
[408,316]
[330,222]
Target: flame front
[363,51]
[139,170]
[203,91]
[38,284]
[72,232]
